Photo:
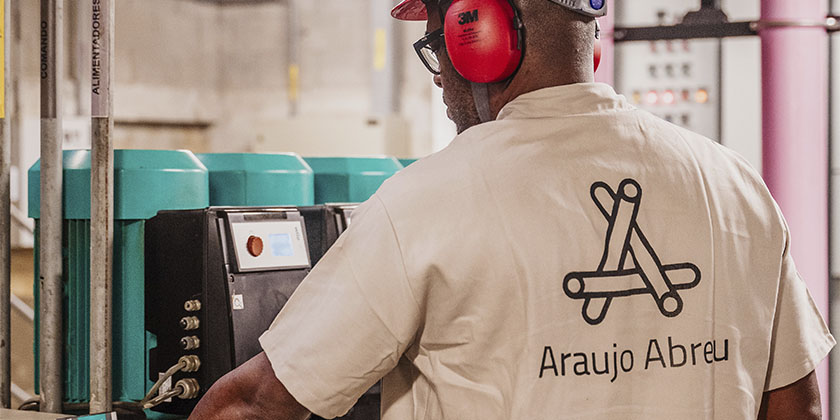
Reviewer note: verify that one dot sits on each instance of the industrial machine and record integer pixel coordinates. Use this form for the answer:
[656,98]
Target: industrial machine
[350,179]
[216,279]
[265,179]
[196,284]
[146,181]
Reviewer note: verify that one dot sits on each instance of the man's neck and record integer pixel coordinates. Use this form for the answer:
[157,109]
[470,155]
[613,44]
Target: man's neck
[529,80]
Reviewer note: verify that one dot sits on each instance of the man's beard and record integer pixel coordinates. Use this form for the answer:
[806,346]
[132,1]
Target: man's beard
[464,116]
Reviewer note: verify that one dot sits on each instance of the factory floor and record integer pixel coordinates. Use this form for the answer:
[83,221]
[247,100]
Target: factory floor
[22,329]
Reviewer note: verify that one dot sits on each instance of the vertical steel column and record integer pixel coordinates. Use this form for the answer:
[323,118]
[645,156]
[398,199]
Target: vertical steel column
[102,204]
[5,218]
[606,71]
[293,55]
[385,65]
[51,206]
[795,126]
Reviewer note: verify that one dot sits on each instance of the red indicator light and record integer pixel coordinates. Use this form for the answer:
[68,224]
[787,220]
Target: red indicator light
[668,97]
[652,97]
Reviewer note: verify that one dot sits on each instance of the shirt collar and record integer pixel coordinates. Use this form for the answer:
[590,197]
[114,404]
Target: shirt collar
[558,101]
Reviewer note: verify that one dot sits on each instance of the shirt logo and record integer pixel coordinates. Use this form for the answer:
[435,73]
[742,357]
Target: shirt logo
[630,265]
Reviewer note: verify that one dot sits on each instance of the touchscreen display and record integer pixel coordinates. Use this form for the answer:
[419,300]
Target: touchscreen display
[281,245]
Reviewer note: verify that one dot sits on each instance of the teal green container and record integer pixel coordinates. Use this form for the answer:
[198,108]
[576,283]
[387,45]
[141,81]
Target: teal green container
[350,179]
[406,162]
[248,179]
[146,182]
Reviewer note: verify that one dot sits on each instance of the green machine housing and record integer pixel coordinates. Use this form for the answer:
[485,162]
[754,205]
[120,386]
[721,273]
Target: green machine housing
[350,179]
[406,162]
[249,179]
[146,181]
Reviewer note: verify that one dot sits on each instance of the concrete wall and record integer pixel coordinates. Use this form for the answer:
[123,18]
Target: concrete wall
[201,75]
[213,77]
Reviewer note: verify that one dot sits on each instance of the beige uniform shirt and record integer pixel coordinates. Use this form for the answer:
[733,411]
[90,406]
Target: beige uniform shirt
[575,259]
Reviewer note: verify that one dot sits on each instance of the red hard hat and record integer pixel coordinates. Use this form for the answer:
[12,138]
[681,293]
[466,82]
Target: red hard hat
[410,10]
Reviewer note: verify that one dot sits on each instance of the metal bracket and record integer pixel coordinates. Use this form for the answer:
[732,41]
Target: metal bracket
[683,31]
[717,30]
[830,23]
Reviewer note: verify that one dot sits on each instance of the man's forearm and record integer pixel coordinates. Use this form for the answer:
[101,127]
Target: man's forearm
[800,400]
[251,391]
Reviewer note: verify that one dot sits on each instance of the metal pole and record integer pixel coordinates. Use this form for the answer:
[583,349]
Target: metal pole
[5,219]
[102,204]
[293,55]
[385,66]
[13,106]
[51,206]
[795,127]
[78,60]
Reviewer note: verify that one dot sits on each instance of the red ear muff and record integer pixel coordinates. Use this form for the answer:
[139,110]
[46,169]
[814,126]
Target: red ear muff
[597,53]
[482,39]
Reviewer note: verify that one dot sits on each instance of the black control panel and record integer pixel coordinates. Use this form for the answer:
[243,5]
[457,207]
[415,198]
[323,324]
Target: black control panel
[215,280]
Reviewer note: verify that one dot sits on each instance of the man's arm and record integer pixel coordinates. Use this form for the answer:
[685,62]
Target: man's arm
[800,400]
[250,391]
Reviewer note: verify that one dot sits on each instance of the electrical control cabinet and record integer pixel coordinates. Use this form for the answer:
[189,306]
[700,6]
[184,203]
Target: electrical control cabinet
[709,86]
[215,280]
[677,80]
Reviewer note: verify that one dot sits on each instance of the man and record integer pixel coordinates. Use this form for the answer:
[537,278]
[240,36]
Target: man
[573,258]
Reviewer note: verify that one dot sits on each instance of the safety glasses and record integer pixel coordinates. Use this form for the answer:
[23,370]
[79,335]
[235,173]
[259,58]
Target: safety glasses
[427,49]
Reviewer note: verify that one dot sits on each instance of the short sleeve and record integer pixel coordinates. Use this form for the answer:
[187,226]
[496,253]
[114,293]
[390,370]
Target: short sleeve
[801,338]
[349,321]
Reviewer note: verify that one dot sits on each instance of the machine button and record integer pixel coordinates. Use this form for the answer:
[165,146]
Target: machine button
[255,246]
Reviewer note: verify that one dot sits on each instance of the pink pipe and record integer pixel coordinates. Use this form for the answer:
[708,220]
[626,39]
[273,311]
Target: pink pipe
[795,124]
[606,72]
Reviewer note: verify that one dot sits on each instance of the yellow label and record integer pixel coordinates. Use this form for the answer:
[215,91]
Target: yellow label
[3,60]
[294,82]
[380,48]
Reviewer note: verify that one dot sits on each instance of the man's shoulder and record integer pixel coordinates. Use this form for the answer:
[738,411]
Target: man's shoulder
[448,176]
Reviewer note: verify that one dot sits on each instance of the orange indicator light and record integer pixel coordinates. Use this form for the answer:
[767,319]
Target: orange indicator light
[701,96]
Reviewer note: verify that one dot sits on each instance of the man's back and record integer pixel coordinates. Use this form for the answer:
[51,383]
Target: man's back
[576,259]
[580,258]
